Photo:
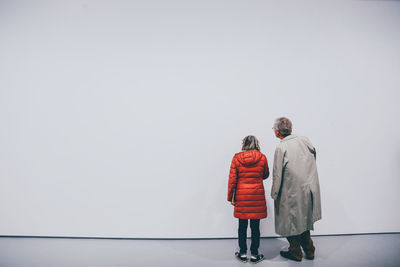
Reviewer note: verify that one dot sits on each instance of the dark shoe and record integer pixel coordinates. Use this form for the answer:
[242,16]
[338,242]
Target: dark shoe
[307,245]
[291,256]
[241,257]
[309,251]
[309,255]
[256,258]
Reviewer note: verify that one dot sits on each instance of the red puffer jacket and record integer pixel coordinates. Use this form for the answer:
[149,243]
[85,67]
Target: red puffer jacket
[248,170]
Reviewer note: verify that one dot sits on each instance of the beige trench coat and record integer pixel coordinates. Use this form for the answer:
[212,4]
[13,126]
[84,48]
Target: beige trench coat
[295,186]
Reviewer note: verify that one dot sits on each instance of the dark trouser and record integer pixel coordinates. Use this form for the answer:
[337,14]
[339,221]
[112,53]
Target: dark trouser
[304,240]
[255,236]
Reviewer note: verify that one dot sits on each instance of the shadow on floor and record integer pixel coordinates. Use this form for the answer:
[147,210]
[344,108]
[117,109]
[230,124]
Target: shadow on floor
[271,247]
[225,250]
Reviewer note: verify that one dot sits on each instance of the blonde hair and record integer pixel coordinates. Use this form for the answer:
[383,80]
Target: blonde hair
[250,142]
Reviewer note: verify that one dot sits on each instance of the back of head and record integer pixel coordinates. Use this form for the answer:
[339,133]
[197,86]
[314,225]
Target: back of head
[284,126]
[250,142]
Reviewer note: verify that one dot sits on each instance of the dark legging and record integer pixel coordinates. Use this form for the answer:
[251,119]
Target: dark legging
[255,236]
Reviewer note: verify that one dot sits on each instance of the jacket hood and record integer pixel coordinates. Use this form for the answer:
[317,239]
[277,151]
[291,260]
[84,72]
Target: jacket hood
[250,157]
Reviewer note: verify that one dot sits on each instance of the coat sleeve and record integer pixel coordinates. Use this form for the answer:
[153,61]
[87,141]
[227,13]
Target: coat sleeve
[310,147]
[232,179]
[277,172]
[266,169]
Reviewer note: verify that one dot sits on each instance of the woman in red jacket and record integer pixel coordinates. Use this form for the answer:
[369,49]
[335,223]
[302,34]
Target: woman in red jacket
[246,192]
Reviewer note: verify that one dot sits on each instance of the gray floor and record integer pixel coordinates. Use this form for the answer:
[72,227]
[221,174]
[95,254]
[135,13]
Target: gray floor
[351,250]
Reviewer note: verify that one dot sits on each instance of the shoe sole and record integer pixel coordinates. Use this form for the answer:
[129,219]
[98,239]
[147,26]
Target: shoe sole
[290,258]
[239,259]
[255,262]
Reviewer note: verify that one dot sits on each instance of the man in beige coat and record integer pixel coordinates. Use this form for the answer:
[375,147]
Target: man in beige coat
[295,189]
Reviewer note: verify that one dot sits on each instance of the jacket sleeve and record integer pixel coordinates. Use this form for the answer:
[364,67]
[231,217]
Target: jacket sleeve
[232,179]
[266,169]
[310,147]
[277,172]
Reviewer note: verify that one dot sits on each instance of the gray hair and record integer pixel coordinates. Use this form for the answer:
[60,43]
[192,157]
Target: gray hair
[283,125]
[250,142]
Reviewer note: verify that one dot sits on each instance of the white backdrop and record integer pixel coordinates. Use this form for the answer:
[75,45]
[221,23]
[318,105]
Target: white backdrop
[120,118]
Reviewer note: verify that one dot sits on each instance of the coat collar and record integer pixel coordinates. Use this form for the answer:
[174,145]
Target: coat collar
[292,136]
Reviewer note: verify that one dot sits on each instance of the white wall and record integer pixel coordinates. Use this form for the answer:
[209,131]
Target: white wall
[120,118]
